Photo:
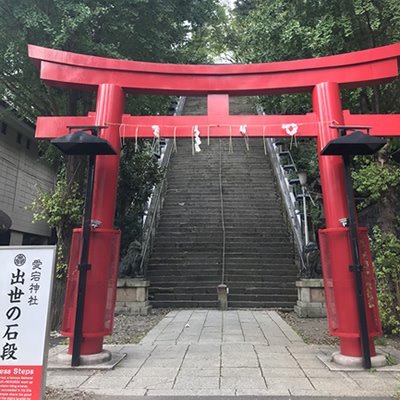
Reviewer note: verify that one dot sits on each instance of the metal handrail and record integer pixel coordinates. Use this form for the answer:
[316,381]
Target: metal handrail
[290,201]
[156,202]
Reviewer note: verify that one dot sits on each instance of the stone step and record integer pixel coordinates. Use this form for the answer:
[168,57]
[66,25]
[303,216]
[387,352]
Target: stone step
[184,304]
[185,265]
[284,305]
[231,270]
[200,237]
[212,289]
[232,258]
[214,304]
[213,296]
[236,285]
[242,281]
[230,266]
[216,240]
[229,223]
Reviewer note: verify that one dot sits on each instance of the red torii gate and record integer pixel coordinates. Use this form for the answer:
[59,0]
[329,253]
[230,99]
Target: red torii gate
[322,77]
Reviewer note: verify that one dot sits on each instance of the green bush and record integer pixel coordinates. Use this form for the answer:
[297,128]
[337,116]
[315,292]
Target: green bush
[386,250]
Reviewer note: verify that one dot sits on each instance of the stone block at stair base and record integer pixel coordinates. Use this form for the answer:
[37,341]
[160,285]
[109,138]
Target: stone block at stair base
[133,297]
[311,298]
[222,291]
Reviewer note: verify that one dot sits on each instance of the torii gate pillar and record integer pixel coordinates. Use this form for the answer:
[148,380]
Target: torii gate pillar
[334,242]
[104,250]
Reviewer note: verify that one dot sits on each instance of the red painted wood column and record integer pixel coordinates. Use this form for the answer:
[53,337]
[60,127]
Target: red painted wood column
[104,244]
[339,281]
[109,110]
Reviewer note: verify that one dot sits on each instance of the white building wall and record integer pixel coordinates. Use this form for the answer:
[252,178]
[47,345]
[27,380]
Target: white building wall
[22,175]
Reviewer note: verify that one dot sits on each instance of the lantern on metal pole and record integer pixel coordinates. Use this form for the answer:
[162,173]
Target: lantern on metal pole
[356,143]
[82,143]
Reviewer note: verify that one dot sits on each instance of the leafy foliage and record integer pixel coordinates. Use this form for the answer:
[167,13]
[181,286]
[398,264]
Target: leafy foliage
[148,30]
[278,30]
[137,179]
[373,179]
[386,249]
[62,209]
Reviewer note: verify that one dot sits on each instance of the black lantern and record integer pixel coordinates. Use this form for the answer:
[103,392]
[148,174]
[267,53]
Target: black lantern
[356,143]
[82,143]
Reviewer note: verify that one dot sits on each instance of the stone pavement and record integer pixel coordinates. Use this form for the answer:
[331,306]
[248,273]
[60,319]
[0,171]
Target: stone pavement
[224,353]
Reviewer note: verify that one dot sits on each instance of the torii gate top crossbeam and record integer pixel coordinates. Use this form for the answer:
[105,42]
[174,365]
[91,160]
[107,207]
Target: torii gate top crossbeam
[350,70]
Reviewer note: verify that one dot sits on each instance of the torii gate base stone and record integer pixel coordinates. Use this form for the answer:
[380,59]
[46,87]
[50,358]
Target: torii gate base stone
[322,77]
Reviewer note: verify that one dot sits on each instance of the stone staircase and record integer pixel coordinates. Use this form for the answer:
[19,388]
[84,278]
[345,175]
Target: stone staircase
[186,263]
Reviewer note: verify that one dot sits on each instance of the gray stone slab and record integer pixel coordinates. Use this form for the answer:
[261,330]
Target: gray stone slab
[118,371]
[286,329]
[162,362]
[151,382]
[67,381]
[247,362]
[165,342]
[272,394]
[240,372]
[203,348]
[321,373]
[233,338]
[117,393]
[235,348]
[378,384]
[157,371]
[201,363]
[197,382]
[258,355]
[278,361]
[101,381]
[310,363]
[278,340]
[207,371]
[138,350]
[282,372]
[288,383]
[71,372]
[333,383]
[130,362]
[302,394]
[168,351]
[182,393]
[268,349]
[240,382]
[302,348]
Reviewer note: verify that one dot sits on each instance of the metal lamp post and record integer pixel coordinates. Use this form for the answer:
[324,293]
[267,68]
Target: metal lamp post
[356,143]
[83,143]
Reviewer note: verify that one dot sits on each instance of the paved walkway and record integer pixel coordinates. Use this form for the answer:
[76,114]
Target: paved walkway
[231,353]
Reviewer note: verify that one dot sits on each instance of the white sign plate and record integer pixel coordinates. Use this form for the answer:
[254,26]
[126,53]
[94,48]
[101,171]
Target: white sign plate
[26,276]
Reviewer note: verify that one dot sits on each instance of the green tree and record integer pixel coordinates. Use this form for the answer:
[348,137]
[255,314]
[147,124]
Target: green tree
[149,30]
[277,30]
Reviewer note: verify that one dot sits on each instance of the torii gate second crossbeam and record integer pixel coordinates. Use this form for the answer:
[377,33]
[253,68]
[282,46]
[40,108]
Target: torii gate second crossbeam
[322,77]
